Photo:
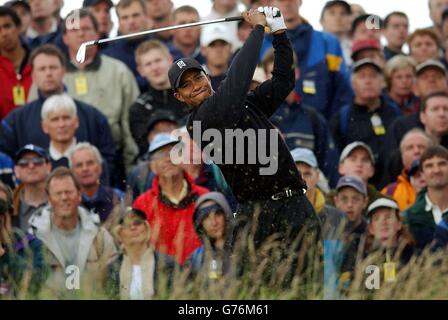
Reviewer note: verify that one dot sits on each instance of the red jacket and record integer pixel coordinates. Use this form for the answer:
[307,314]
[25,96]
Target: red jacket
[172,228]
[8,79]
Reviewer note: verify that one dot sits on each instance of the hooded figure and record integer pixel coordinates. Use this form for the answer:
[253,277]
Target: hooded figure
[213,220]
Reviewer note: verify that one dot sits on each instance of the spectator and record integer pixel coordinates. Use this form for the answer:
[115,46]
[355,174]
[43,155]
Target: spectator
[357,10]
[423,45]
[216,47]
[159,13]
[15,71]
[432,203]
[186,41]
[412,146]
[23,10]
[400,75]
[22,269]
[169,205]
[60,122]
[101,9]
[224,9]
[335,19]
[436,8]
[357,160]
[102,82]
[32,167]
[351,198]
[367,26]
[131,18]
[368,49]
[70,235]
[133,274]
[44,27]
[396,29]
[330,217]
[431,78]
[369,117]
[140,178]
[153,60]
[323,83]
[434,117]
[213,222]
[23,125]
[87,165]
[388,243]
[303,126]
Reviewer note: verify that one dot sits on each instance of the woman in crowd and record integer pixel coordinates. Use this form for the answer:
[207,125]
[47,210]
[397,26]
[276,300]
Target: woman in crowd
[133,274]
[22,269]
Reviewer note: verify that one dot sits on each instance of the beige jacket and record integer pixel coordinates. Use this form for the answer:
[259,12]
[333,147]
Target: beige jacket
[96,250]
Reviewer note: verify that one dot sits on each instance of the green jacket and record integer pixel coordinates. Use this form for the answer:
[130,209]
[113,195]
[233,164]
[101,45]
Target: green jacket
[420,222]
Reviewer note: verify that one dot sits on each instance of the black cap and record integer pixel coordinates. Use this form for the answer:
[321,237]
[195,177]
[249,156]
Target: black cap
[22,3]
[179,67]
[160,115]
[31,148]
[133,211]
[342,3]
[91,3]
[366,62]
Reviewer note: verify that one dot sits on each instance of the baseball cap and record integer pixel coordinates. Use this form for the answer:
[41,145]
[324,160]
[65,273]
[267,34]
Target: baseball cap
[178,68]
[304,155]
[430,64]
[31,148]
[161,140]
[381,203]
[366,62]
[140,214]
[90,3]
[333,3]
[364,44]
[160,115]
[352,182]
[215,32]
[354,145]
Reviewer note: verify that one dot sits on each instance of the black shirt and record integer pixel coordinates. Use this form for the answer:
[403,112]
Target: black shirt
[232,107]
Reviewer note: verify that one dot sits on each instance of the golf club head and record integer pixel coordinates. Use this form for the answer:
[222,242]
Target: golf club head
[81,54]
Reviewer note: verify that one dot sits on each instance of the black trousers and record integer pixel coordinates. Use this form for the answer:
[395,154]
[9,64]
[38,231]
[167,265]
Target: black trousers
[287,217]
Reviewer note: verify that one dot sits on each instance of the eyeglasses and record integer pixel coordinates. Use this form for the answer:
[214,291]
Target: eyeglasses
[134,223]
[23,163]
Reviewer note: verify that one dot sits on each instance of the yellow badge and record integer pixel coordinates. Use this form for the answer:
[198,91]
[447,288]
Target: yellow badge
[377,125]
[18,95]
[309,87]
[334,62]
[389,271]
[81,87]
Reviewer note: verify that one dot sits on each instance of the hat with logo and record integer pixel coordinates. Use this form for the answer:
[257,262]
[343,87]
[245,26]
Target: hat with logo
[31,148]
[179,67]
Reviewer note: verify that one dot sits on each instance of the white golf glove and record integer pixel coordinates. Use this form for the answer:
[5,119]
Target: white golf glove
[274,18]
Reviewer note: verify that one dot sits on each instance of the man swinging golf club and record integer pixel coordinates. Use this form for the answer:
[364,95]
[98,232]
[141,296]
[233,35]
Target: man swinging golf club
[277,196]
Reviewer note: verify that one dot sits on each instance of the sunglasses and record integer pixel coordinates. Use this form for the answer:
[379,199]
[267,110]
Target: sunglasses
[23,163]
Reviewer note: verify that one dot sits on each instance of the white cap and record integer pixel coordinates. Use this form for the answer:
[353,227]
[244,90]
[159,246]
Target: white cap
[215,32]
[382,203]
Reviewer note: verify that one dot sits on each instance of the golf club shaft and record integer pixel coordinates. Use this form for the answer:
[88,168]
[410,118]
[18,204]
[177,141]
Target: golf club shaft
[186,25]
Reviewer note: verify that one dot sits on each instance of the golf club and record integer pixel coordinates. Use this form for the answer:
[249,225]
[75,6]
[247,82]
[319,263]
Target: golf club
[81,54]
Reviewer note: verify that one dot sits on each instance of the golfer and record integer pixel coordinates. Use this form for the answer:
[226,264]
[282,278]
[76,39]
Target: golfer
[279,198]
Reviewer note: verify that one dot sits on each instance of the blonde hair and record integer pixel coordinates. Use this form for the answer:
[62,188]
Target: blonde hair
[398,62]
[151,45]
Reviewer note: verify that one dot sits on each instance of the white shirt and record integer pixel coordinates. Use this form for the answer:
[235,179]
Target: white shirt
[56,155]
[436,212]
[136,291]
